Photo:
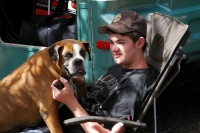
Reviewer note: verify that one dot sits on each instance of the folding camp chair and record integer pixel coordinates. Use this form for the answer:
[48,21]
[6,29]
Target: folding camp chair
[166,37]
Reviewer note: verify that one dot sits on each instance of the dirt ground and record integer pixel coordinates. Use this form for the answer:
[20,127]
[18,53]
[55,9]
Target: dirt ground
[178,110]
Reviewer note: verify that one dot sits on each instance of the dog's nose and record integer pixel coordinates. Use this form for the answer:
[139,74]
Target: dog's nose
[78,62]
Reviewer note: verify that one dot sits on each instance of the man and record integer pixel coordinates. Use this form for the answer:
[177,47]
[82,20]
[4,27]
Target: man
[119,93]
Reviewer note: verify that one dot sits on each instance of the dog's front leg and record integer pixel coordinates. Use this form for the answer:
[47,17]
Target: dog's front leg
[52,121]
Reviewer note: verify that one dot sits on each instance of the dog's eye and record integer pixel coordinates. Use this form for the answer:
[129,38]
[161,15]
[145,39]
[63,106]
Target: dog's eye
[82,52]
[68,55]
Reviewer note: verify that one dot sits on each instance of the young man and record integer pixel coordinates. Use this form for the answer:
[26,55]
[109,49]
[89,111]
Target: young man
[120,92]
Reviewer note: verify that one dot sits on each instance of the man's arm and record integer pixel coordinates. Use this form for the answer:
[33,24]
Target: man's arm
[66,96]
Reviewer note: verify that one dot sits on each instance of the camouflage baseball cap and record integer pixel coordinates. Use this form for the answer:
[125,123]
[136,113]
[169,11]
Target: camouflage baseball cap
[124,22]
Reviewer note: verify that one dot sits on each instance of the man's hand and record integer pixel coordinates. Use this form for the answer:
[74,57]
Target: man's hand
[117,128]
[65,94]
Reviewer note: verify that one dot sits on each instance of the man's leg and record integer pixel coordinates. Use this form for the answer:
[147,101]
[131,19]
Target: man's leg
[63,114]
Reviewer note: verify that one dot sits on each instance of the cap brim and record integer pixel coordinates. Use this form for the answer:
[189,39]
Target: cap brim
[104,29]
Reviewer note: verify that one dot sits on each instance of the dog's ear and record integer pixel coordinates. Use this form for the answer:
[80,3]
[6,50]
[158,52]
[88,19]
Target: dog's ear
[87,48]
[54,51]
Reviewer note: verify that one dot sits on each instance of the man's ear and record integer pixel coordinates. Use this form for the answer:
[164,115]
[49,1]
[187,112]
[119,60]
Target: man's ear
[141,42]
[54,51]
[87,48]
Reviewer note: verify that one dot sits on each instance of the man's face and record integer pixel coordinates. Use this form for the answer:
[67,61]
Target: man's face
[123,49]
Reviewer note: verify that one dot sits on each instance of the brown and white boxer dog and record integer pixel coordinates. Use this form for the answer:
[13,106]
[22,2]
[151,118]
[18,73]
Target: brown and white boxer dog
[26,94]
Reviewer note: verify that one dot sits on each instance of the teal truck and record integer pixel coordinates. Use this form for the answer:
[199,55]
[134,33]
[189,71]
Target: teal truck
[90,14]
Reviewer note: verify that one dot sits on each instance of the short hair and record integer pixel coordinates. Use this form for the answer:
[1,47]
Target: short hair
[135,36]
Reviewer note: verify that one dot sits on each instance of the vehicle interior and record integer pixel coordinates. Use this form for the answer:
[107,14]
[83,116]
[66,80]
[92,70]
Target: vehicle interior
[13,17]
[10,25]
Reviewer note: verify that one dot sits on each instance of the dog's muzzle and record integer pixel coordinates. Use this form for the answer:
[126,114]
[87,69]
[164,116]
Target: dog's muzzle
[77,68]
[79,72]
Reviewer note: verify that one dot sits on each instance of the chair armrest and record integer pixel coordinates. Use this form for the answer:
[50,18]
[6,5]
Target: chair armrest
[105,120]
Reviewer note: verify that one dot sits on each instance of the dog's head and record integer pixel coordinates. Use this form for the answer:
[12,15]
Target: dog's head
[70,55]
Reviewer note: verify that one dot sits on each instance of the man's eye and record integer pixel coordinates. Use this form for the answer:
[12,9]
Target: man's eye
[111,43]
[120,42]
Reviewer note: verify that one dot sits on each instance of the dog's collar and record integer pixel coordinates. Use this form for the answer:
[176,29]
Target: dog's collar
[66,77]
